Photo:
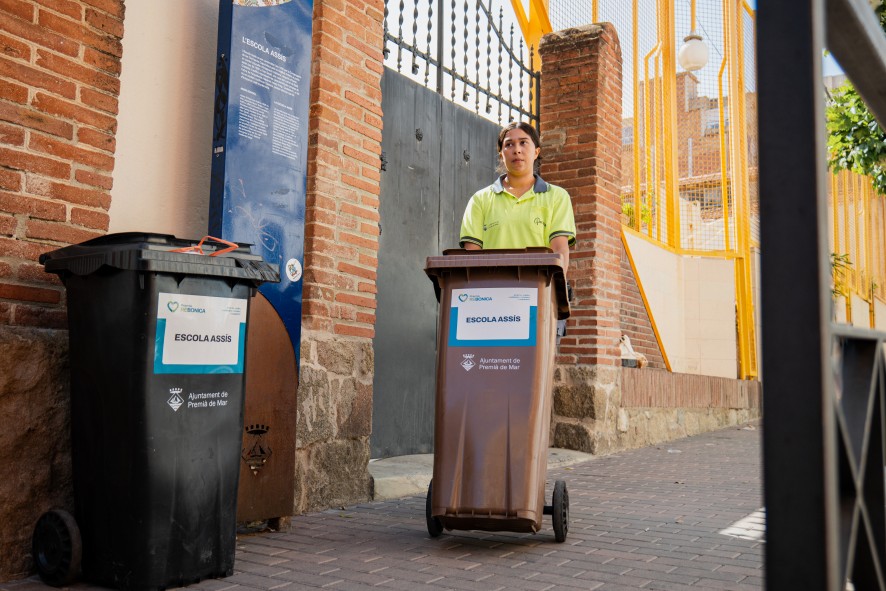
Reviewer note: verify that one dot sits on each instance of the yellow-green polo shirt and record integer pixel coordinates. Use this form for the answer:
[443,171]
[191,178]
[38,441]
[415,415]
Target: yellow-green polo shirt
[496,219]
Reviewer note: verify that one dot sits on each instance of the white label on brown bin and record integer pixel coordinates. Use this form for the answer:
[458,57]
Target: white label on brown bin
[493,317]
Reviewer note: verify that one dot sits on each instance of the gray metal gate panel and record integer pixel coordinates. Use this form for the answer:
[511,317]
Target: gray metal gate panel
[470,158]
[425,186]
[825,383]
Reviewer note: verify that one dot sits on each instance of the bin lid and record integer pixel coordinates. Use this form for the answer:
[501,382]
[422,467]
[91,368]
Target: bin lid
[148,252]
[459,258]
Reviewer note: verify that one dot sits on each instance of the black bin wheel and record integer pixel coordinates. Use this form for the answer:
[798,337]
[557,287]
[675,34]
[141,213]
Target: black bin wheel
[57,548]
[435,526]
[560,513]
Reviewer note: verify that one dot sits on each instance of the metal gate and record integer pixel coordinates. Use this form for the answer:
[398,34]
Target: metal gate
[825,431]
[435,155]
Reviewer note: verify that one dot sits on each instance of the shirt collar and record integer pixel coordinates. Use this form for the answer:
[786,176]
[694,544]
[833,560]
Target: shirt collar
[540,185]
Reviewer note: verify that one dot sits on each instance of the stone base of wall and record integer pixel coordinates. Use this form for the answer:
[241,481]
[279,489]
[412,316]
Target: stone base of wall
[640,427]
[601,410]
[35,441]
[585,406]
[334,422]
[332,474]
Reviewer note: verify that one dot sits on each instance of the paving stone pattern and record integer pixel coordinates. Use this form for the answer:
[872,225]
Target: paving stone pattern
[642,519]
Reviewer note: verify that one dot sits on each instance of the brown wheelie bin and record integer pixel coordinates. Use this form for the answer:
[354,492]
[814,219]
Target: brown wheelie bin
[496,340]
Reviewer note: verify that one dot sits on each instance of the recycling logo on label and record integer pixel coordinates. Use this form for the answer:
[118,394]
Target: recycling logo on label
[175,401]
[468,362]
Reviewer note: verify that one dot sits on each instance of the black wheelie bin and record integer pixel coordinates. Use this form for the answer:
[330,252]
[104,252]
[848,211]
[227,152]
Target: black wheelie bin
[157,332]
[496,340]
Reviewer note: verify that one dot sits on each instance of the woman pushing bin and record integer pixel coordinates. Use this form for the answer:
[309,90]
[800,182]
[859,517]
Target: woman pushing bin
[501,299]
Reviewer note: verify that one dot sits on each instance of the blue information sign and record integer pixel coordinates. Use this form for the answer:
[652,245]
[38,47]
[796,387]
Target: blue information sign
[260,137]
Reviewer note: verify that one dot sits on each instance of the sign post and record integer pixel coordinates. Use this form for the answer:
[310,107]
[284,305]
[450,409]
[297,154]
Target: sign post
[260,137]
[259,160]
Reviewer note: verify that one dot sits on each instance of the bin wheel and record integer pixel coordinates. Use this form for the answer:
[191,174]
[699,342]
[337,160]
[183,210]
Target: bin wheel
[560,513]
[57,548]
[435,526]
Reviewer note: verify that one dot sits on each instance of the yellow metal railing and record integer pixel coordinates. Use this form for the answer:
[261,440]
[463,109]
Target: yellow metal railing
[689,173]
[858,247]
[689,169]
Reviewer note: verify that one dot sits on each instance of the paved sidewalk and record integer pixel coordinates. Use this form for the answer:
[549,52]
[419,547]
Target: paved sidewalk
[682,515]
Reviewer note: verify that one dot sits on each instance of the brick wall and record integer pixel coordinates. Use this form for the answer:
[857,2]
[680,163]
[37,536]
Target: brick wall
[634,317]
[663,389]
[341,254]
[581,151]
[581,148]
[59,84]
[341,226]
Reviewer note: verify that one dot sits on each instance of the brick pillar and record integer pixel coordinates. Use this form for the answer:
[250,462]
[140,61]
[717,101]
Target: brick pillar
[341,255]
[581,151]
[58,118]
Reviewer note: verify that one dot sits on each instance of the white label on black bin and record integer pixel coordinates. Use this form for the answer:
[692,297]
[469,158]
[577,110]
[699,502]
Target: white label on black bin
[199,334]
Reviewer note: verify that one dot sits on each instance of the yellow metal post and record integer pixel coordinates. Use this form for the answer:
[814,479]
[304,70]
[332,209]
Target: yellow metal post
[847,272]
[835,244]
[882,266]
[537,24]
[856,235]
[669,96]
[724,177]
[869,252]
[737,138]
[651,174]
[657,146]
[635,44]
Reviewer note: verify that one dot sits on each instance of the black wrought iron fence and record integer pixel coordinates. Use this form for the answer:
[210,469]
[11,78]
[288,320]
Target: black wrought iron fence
[464,52]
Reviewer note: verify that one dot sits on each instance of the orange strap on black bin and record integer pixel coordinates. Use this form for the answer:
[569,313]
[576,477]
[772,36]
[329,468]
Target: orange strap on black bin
[198,248]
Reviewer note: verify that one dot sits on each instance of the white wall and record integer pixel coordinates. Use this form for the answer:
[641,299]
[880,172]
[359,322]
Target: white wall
[861,312]
[659,272]
[879,314]
[164,135]
[709,310]
[692,302]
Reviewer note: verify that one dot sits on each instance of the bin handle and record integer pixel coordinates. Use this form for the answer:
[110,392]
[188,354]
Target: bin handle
[198,248]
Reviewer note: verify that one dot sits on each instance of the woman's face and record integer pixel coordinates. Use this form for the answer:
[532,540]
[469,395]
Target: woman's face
[518,152]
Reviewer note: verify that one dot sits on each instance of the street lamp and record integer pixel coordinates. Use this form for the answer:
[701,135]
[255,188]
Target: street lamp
[693,54]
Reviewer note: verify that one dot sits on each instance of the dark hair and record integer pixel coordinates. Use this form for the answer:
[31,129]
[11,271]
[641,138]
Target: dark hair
[522,125]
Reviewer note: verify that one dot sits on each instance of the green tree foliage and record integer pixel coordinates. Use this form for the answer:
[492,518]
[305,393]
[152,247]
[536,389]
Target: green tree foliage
[856,141]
